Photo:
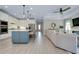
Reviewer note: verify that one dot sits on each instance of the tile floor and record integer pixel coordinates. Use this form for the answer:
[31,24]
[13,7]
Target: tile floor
[39,45]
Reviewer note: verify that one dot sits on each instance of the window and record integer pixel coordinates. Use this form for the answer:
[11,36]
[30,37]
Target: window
[67,26]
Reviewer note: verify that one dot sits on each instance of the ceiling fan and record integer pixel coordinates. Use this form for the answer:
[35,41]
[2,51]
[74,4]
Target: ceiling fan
[61,10]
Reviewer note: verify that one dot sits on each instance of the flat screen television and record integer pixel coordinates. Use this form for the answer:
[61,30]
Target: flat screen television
[75,21]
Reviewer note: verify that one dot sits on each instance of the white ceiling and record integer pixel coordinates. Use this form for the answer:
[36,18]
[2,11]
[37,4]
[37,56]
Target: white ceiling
[39,11]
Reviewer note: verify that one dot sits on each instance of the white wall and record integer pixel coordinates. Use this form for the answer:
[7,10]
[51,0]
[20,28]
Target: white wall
[47,23]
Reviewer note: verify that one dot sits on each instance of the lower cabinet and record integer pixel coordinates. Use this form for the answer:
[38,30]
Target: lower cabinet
[20,37]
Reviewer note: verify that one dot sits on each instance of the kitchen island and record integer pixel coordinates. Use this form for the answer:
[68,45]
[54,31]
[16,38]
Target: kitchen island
[20,36]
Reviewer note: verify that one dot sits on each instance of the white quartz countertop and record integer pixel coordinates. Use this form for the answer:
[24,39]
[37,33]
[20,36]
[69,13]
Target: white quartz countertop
[20,30]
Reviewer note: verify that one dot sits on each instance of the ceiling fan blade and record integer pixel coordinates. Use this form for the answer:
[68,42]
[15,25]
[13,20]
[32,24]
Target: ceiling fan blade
[62,10]
[56,12]
[66,9]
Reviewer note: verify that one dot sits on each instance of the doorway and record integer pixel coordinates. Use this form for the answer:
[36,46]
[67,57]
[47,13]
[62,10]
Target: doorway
[40,26]
[39,33]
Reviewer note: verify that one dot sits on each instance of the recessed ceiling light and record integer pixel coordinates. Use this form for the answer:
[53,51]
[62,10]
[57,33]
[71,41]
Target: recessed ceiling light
[6,6]
[49,9]
[14,13]
[23,16]
[31,8]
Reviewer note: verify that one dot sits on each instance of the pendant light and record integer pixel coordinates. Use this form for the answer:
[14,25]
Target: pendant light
[27,14]
[24,14]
